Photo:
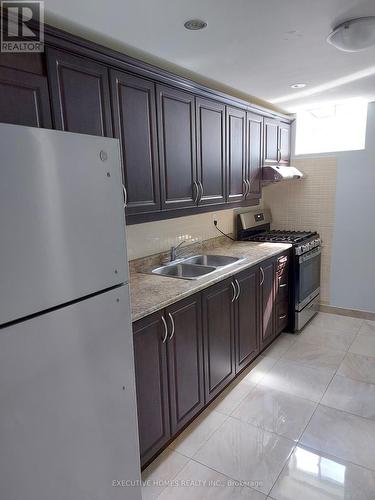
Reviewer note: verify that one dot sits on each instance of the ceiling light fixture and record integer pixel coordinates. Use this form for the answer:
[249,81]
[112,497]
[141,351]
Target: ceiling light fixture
[298,85]
[195,24]
[354,35]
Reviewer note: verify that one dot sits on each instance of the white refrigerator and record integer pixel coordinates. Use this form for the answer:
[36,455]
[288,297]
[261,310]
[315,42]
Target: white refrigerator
[68,424]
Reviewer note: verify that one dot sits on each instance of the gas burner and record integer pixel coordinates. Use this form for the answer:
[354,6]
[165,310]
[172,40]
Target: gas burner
[280,236]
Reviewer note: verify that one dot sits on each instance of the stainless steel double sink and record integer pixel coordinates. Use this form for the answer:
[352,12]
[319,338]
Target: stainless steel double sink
[198,266]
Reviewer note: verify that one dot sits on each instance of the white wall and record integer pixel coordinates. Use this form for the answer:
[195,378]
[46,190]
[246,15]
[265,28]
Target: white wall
[353,252]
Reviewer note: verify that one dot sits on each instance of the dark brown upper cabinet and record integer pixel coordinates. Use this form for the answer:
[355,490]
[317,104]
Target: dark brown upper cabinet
[276,142]
[185,360]
[254,133]
[79,93]
[284,143]
[236,154]
[218,334]
[247,317]
[177,148]
[268,278]
[211,151]
[150,359]
[271,139]
[24,98]
[134,123]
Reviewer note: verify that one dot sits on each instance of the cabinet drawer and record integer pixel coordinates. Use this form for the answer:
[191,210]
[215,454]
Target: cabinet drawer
[282,264]
[282,287]
[282,316]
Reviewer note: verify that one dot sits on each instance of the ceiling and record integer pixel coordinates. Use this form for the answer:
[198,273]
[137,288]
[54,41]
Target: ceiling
[256,47]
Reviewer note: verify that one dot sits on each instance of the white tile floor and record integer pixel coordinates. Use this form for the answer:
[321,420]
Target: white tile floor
[298,424]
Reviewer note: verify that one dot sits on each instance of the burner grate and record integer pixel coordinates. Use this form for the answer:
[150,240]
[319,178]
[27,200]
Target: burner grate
[281,236]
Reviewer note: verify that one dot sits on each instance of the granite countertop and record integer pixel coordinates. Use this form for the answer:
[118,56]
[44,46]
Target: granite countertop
[150,292]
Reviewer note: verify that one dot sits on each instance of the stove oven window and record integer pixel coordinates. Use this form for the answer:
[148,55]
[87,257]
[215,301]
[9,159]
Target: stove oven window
[309,275]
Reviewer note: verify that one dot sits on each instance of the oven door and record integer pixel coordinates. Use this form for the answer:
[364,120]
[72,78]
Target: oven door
[308,277]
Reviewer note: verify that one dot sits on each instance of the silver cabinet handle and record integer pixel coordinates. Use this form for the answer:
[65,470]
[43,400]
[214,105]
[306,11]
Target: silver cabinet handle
[196,187]
[262,273]
[283,285]
[125,196]
[238,288]
[278,154]
[173,327]
[201,189]
[165,329]
[234,291]
[246,188]
[283,316]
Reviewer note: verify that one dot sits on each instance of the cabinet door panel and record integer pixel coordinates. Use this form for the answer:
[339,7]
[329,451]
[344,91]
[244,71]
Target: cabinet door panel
[267,301]
[134,123]
[211,150]
[236,154]
[80,94]
[218,337]
[24,98]
[254,153]
[177,147]
[284,143]
[271,139]
[185,361]
[151,384]
[247,318]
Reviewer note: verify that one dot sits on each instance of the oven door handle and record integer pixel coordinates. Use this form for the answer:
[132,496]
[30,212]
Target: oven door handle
[310,255]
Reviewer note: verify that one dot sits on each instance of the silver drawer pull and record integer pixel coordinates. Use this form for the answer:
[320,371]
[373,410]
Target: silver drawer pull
[283,285]
[173,327]
[238,288]
[196,187]
[283,316]
[201,191]
[262,280]
[165,329]
[234,291]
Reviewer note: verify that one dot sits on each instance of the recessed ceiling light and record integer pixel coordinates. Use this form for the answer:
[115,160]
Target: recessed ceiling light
[354,35]
[298,85]
[195,24]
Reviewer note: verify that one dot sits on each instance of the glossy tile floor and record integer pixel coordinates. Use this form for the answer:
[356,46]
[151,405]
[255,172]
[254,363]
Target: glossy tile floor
[299,424]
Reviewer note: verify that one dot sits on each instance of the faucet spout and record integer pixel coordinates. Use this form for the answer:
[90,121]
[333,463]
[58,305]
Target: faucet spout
[174,250]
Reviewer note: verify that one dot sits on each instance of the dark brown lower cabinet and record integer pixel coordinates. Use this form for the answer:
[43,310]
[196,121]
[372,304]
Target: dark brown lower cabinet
[150,358]
[282,293]
[185,361]
[218,334]
[168,352]
[267,293]
[247,317]
[187,353]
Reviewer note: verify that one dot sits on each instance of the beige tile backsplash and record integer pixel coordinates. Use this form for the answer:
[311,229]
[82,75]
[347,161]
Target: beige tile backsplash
[156,237]
[308,204]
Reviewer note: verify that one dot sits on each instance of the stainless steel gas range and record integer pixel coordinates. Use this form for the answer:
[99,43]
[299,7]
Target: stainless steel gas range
[255,225]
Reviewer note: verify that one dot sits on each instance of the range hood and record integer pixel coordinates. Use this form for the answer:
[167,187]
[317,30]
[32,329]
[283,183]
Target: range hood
[277,173]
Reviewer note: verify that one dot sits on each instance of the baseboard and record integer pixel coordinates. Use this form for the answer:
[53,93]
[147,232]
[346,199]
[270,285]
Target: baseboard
[354,313]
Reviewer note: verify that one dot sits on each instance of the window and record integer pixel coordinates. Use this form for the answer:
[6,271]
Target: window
[335,127]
